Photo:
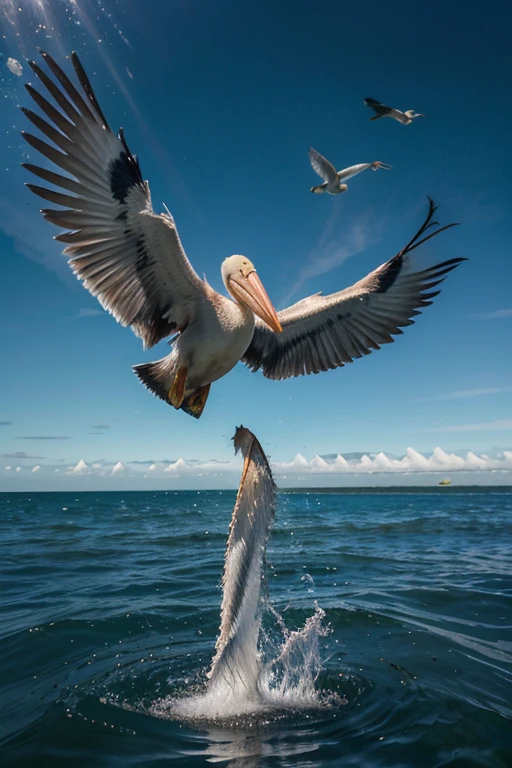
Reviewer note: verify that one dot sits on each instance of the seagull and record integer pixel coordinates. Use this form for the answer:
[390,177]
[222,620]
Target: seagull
[132,260]
[383,111]
[333,178]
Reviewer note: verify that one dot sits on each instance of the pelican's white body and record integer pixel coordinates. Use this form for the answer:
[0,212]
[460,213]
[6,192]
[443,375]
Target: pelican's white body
[211,345]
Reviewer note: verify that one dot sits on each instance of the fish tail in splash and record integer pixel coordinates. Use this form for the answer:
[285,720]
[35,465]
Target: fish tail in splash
[236,666]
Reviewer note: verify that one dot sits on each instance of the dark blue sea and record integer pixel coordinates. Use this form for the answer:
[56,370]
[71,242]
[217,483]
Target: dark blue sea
[110,605]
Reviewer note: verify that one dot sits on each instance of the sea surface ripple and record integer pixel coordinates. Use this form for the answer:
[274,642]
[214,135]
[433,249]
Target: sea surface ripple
[109,603]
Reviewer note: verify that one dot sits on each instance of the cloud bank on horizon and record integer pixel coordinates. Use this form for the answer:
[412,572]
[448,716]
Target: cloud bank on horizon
[331,469]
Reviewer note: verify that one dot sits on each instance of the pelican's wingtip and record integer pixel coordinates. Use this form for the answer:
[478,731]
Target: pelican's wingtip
[77,64]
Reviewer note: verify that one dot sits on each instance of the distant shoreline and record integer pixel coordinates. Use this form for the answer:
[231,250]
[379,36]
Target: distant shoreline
[360,490]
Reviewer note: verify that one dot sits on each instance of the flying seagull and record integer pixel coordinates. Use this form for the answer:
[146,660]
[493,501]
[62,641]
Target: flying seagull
[333,178]
[383,111]
[132,260]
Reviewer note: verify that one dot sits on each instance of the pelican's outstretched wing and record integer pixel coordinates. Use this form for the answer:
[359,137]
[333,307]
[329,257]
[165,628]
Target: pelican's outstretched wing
[323,332]
[127,256]
[323,167]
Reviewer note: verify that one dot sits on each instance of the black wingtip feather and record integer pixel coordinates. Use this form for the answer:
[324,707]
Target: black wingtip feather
[415,242]
[87,87]
[133,160]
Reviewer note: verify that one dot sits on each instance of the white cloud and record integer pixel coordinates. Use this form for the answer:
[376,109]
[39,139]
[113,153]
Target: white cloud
[89,313]
[462,393]
[35,469]
[30,235]
[327,471]
[496,314]
[18,469]
[7,468]
[80,468]
[485,426]
[178,466]
[337,243]
[439,461]
[298,461]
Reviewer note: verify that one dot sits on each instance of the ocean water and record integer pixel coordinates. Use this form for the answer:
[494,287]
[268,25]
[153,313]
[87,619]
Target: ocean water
[110,609]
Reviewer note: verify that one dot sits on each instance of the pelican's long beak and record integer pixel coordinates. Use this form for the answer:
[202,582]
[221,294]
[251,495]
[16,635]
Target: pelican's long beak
[250,291]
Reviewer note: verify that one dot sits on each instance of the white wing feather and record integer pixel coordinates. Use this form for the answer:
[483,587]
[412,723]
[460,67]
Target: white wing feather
[348,173]
[323,167]
[323,332]
[127,256]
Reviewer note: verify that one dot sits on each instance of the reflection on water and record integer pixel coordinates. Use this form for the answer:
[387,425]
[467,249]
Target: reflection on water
[244,749]
[241,748]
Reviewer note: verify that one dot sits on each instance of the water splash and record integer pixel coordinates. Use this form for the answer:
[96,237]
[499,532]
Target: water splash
[290,678]
[240,681]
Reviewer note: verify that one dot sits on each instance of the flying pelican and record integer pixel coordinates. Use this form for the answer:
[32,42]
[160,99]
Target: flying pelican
[383,111]
[333,178]
[132,260]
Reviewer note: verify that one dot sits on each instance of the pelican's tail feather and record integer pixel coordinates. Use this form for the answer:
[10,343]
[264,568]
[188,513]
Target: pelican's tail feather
[158,376]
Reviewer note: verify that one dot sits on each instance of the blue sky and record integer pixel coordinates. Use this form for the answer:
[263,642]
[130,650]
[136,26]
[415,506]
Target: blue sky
[221,102]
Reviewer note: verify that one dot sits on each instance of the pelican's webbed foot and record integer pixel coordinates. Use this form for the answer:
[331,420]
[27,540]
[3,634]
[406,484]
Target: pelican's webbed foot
[177,391]
[194,404]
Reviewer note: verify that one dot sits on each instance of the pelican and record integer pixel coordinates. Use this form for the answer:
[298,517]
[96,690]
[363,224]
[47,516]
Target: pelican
[132,260]
[383,111]
[333,178]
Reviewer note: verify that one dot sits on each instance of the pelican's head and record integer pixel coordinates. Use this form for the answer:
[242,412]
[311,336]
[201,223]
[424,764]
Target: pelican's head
[343,187]
[243,283]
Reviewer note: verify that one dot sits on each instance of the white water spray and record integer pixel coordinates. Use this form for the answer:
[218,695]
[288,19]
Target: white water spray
[239,681]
